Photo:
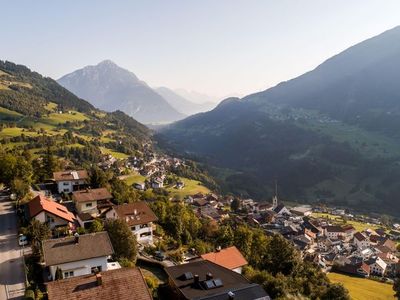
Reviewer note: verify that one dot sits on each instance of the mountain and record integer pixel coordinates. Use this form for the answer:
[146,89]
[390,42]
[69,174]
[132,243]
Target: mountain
[329,135]
[36,111]
[27,92]
[195,97]
[111,87]
[183,105]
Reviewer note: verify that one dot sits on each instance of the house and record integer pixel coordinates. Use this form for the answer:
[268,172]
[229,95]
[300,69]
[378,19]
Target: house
[119,284]
[304,210]
[92,201]
[69,181]
[78,255]
[390,244]
[377,266]
[157,183]
[229,258]
[139,218]
[207,280]
[361,241]
[139,186]
[334,232]
[281,210]
[47,211]
[180,185]
[349,231]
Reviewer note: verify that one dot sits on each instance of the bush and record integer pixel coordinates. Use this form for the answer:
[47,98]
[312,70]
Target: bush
[29,294]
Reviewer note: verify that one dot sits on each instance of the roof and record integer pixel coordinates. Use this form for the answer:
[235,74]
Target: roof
[182,276]
[41,203]
[229,258]
[119,284]
[334,229]
[70,175]
[135,213]
[279,208]
[359,236]
[91,195]
[63,250]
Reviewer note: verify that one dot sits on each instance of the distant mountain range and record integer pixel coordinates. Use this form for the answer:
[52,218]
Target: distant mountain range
[110,87]
[182,104]
[329,135]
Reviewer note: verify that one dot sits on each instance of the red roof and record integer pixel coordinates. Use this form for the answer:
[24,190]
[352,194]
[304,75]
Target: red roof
[230,258]
[41,203]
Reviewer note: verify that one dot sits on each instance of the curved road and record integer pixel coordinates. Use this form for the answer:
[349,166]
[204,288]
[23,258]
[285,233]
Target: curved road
[12,276]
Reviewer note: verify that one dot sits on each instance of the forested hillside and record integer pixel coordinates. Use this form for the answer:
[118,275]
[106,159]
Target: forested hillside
[330,135]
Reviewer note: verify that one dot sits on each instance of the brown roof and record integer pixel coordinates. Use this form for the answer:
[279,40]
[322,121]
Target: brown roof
[135,213]
[91,195]
[359,236]
[182,277]
[119,284]
[230,258]
[41,203]
[70,175]
[334,229]
[63,250]
[390,244]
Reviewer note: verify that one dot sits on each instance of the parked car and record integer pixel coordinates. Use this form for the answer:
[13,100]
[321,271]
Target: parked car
[159,255]
[22,240]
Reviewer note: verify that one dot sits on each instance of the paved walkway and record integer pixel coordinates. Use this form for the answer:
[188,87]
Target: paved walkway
[12,276]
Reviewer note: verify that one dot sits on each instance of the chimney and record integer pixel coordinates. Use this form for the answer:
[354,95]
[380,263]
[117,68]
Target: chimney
[209,276]
[218,249]
[231,295]
[196,280]
[76,236]
[99,279]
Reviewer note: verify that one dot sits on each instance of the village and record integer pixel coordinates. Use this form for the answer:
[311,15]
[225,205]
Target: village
[331,238]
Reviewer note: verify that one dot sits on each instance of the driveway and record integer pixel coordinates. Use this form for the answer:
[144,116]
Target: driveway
[12,275]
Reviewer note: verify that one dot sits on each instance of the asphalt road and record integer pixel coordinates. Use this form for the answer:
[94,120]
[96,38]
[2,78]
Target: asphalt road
[12,276]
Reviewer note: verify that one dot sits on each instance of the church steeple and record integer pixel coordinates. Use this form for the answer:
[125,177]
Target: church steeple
[275,198]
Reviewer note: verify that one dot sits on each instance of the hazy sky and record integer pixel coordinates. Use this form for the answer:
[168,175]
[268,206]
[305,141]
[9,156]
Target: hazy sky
[218,47]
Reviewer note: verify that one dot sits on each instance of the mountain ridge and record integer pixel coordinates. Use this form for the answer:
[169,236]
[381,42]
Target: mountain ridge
[110,87]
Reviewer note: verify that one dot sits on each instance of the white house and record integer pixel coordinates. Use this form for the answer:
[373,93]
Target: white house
[79,255]
[361,241]
[69,181]
[334,232]
[281,210]
[139,218]
[48,211]
[377,266]
[92,201]
[157,183]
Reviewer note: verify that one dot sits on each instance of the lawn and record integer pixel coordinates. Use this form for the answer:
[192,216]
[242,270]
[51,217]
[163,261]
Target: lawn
[131,179]
[191,187]
[55,118]
[359,226]
[361,288]
[118,155]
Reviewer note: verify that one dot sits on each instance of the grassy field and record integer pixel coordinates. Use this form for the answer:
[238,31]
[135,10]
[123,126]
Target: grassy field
[117,155]
[363,289]
[359,226]
[191,187]
[9,115]
[55,119]
[131,179]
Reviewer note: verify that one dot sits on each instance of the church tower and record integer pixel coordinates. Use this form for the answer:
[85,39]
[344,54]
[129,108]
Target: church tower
[275,198]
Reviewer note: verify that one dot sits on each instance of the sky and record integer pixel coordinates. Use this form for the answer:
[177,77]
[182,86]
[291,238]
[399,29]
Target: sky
[216,47]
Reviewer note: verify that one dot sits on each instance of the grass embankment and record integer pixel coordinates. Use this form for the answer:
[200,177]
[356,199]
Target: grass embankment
[359,226]
[362,288]
[191,187]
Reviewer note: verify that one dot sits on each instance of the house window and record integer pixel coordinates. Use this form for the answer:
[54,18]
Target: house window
[88,204]
[66,190]
[95,270]
[144,226]
[65,183]
[68,274]
[50,219]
